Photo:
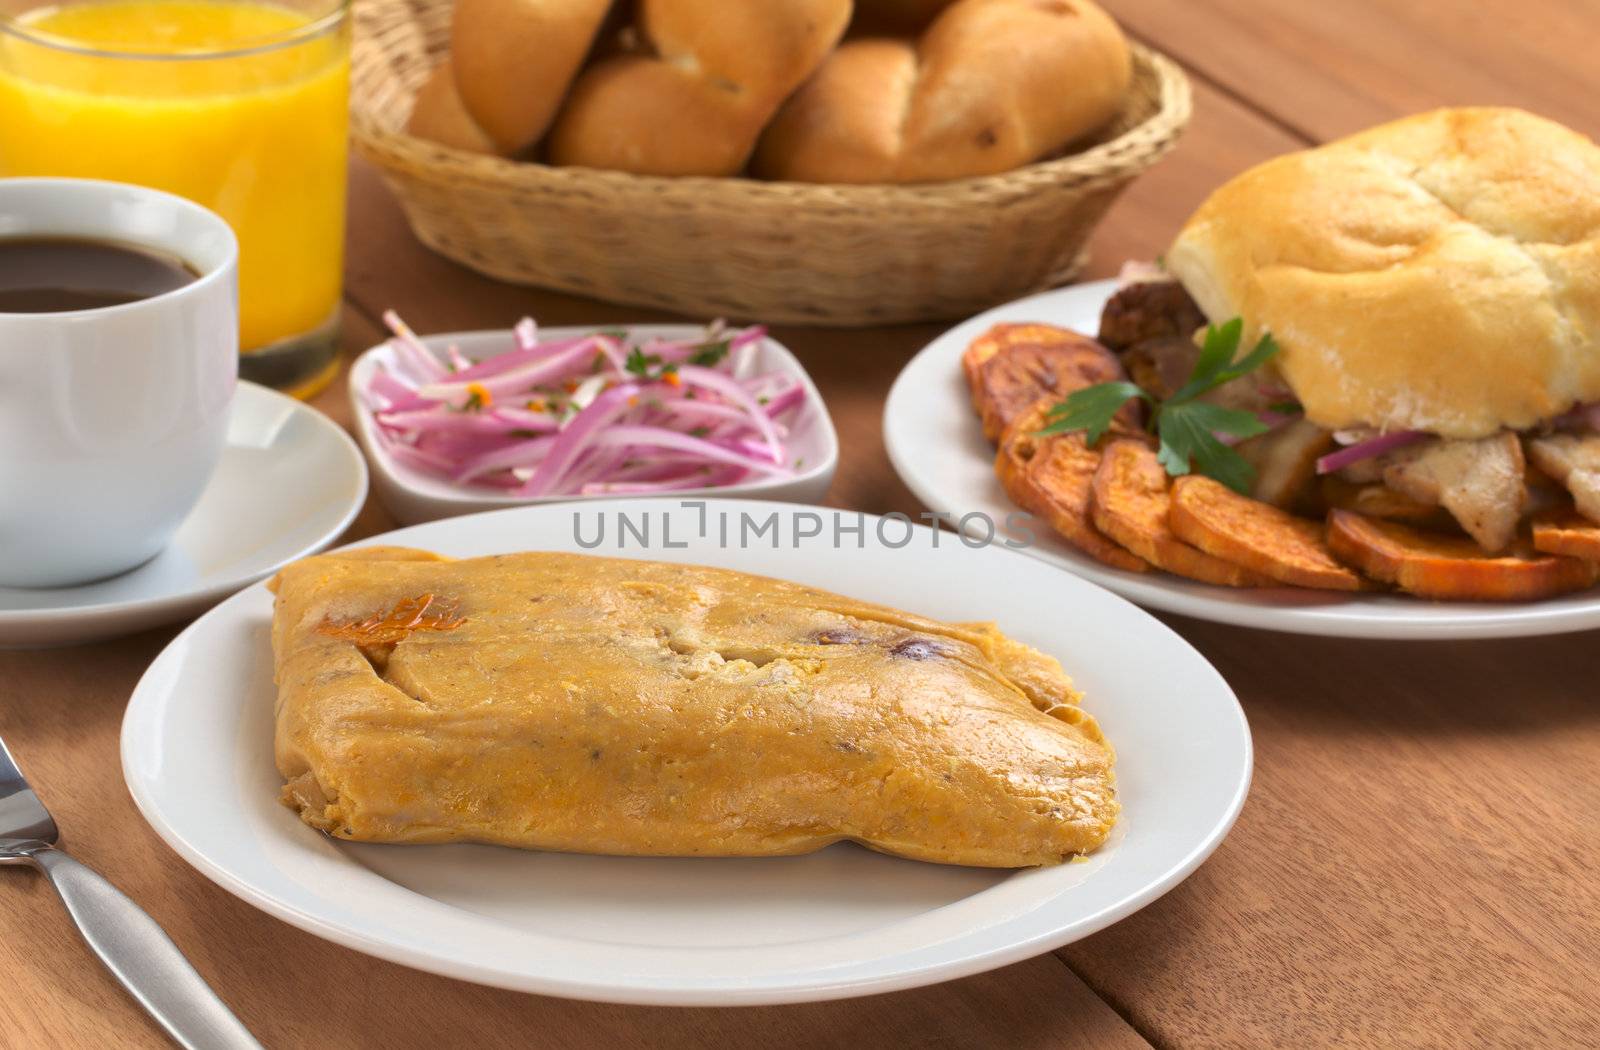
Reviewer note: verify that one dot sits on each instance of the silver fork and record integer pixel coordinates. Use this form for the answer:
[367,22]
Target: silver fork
[127,940]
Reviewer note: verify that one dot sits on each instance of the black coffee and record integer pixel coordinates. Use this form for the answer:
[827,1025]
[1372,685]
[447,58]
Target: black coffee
[46,275]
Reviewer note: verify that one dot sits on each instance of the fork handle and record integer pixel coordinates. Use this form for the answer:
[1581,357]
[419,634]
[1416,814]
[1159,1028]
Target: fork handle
[143,957]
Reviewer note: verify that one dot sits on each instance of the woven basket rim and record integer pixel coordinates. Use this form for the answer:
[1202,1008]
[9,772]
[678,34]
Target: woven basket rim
[1101,162]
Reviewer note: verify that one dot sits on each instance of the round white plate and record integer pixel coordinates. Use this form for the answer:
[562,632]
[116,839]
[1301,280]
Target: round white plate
[197,754]
[289,482]
[939,451]
[412,496]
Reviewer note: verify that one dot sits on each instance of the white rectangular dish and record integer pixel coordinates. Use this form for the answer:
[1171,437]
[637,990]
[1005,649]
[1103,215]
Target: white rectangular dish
[412,496]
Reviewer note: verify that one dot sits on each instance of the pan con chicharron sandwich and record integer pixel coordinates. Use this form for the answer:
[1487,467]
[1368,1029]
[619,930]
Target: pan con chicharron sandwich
[1428,402]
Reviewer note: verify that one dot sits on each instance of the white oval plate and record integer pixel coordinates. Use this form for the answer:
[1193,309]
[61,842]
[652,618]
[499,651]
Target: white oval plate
[939,451]
[412,496]
[197,754]
[288,483]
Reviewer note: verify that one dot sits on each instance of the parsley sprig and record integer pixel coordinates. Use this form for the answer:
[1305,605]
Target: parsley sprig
[650,368]
[1186,427]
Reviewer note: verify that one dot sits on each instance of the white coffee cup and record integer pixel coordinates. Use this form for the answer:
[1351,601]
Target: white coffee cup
[112,419]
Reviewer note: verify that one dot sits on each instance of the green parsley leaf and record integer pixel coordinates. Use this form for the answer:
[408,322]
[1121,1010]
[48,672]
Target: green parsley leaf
[699,432]
[1189,442]
[639,363]
[1233,421]
[708,354]
[1265,349]
[1216,353]
[1091,409]
[1187,428]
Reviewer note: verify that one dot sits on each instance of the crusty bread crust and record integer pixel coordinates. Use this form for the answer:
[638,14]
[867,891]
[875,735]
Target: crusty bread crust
[1437,273]
[695,102]
[989,86]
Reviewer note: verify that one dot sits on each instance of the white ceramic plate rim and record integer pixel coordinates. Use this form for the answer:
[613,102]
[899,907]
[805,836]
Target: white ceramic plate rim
[1175,852]
[459,499]
[211,589]
[928,423]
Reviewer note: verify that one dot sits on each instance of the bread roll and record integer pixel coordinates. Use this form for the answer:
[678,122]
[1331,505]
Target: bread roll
[990,86]
[1439,273]
[696,103]
[511,62]
[515,59]
[438,115]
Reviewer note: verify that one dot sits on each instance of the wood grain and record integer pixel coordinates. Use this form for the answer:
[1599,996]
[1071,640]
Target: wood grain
[1328,69]
[1415,866]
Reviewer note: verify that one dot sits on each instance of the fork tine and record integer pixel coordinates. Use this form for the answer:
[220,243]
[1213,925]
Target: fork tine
[23,818]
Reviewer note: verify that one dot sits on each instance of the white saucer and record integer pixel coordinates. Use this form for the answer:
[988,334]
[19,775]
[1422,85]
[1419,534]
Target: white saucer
[289,483]
[197,755]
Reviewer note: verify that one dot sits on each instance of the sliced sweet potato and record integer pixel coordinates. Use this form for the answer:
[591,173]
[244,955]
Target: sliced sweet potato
[990,343]
[1010,367]
[1256,536]
[1451,567]
[1129,502]
[1567,532]
[1050,477]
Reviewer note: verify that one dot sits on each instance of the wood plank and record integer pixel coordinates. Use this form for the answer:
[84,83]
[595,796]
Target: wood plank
[1328,69]
[1414,866]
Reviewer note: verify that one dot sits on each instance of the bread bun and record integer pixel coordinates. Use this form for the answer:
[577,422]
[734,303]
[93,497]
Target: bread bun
[439,116]
[990,86]
[511,62]
[1439,273]
[694,105]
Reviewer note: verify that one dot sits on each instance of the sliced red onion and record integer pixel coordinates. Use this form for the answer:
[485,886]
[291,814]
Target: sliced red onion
[415,350]
[658,437]
[575,437]
[544,370]
[504,457]
[1583,417]
[607,430]
[447,420]
[722,384]
[1362,450]
[781,403]
[384,391]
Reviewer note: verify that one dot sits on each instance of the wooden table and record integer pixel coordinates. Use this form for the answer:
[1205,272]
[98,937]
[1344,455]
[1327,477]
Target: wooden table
[1417,862]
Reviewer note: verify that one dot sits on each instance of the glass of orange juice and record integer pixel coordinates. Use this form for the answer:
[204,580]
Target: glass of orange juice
[240,105]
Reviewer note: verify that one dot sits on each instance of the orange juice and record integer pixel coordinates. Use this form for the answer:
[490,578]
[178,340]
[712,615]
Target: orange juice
[240,106]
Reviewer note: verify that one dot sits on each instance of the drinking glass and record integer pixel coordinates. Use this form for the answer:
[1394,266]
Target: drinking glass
[238,105]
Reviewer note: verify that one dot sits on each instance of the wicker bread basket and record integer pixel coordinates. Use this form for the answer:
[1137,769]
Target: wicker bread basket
[742,248]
